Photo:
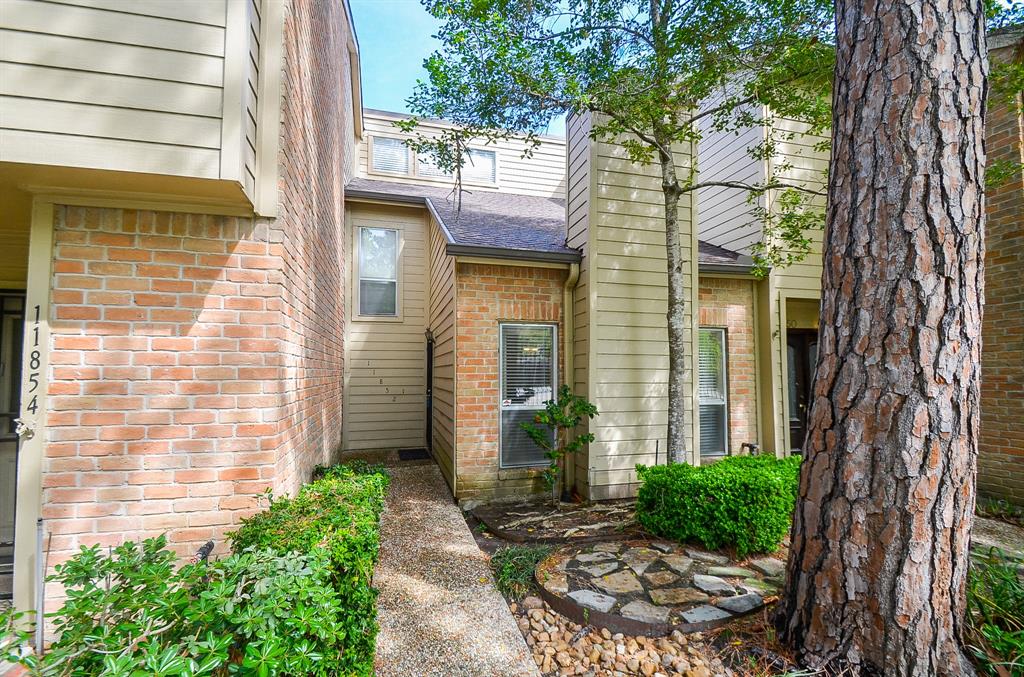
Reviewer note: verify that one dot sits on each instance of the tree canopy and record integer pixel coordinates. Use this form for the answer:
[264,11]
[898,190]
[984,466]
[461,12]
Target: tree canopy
[656,71]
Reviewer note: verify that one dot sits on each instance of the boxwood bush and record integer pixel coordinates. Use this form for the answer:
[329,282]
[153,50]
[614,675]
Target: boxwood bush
[294,598]
[336,516]
[741,502]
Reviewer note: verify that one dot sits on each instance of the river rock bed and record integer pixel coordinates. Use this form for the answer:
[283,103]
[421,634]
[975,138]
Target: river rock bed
[561,647]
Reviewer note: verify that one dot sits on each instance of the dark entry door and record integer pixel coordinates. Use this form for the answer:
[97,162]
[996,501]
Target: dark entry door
[802,356]
[430,394]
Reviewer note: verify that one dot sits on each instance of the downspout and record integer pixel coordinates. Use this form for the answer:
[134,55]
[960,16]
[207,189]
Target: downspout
[568,348]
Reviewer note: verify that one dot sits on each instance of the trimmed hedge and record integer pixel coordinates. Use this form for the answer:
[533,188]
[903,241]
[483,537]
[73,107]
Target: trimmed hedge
[337,516]
[742,502]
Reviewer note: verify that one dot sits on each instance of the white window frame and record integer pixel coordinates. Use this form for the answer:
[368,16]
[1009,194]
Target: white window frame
[724,403]
[414,164]
[397,317]
[408,154]
[501,385]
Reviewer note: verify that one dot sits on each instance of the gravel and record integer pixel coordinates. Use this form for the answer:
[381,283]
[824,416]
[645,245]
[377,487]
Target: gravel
[438,609]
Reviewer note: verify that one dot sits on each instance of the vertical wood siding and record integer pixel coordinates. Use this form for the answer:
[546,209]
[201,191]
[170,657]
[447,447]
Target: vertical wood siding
[385,365]
[442,325]
[542,174]
[113,85]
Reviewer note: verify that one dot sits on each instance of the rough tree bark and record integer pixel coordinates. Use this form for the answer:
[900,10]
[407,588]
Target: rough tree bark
[879,552]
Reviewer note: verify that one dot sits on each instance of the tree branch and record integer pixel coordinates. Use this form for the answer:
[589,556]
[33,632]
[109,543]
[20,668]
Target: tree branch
[739,185]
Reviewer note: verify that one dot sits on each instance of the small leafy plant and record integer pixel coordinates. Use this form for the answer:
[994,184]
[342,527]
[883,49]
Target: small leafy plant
[514,566]
[742,502]
[995,614]
[552,430]
[295,598]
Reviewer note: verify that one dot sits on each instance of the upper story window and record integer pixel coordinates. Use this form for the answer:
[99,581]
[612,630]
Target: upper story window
[378,272]
[480,167]
[392,156]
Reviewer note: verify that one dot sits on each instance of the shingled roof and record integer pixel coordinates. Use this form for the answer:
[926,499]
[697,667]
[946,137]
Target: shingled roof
[505,224]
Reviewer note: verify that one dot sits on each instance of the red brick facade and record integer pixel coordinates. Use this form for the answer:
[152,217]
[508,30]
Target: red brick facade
[487,295]
[1001,446]
[729,304]
[197,360]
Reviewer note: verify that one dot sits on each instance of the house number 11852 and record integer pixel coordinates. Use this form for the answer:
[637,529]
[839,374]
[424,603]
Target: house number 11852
[34,361]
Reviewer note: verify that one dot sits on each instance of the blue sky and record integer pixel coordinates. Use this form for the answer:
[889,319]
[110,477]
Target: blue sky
[395,36]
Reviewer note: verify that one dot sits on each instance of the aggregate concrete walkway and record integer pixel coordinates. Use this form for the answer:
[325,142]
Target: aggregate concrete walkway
[438,609]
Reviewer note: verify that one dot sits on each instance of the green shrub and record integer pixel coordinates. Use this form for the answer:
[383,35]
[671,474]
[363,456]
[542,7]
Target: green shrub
[995,615]
[743,502]
[132,613]
[337,516]
[513,568]
[294,599]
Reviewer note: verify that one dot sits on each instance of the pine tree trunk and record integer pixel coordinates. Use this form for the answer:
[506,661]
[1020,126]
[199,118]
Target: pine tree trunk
[676,311]
[879,555]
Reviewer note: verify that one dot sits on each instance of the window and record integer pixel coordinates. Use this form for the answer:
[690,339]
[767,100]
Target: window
[390,155]
[714,418]
[425,166]
[480,167]
[528,372]
[378,272]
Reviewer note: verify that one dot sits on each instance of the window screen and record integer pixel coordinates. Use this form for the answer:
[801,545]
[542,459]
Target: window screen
[527,382]
[714,436]
[425,166]
[378,271]
[390,155]
[481,166]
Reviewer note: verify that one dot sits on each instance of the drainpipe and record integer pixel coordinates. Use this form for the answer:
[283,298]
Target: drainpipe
[568,340]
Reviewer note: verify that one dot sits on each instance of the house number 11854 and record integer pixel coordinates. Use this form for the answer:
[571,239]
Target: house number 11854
[34,361]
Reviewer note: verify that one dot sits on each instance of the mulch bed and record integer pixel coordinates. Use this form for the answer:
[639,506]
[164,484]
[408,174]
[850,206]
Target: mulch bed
[542,522]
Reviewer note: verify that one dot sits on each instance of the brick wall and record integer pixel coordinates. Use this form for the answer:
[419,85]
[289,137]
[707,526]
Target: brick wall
[316,140]
[1001,445]
[729,304]
[485,296]
[165,377]
[197,360]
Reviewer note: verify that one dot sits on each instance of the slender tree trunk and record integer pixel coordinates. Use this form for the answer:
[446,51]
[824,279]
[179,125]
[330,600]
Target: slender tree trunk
[879,553]
[676,310]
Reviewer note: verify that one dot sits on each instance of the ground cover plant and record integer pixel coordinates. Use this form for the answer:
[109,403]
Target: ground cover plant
[293,599]
[741,502]
[995,614]
[513,568]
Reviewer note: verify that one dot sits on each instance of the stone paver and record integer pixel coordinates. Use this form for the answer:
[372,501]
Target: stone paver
[438,609]
[593,600]
[713,585]
[703,614]
[741,604]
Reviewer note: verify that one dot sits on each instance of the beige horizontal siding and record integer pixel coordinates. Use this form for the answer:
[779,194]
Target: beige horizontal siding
[578,209]
[627,331]
[541,174]
[131,86]
[442,326]
[385,362]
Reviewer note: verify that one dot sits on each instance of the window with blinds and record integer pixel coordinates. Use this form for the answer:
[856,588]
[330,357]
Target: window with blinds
[712,390]
[528,372]
[481,167]
[426,167]
[390,155]
[378,272]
